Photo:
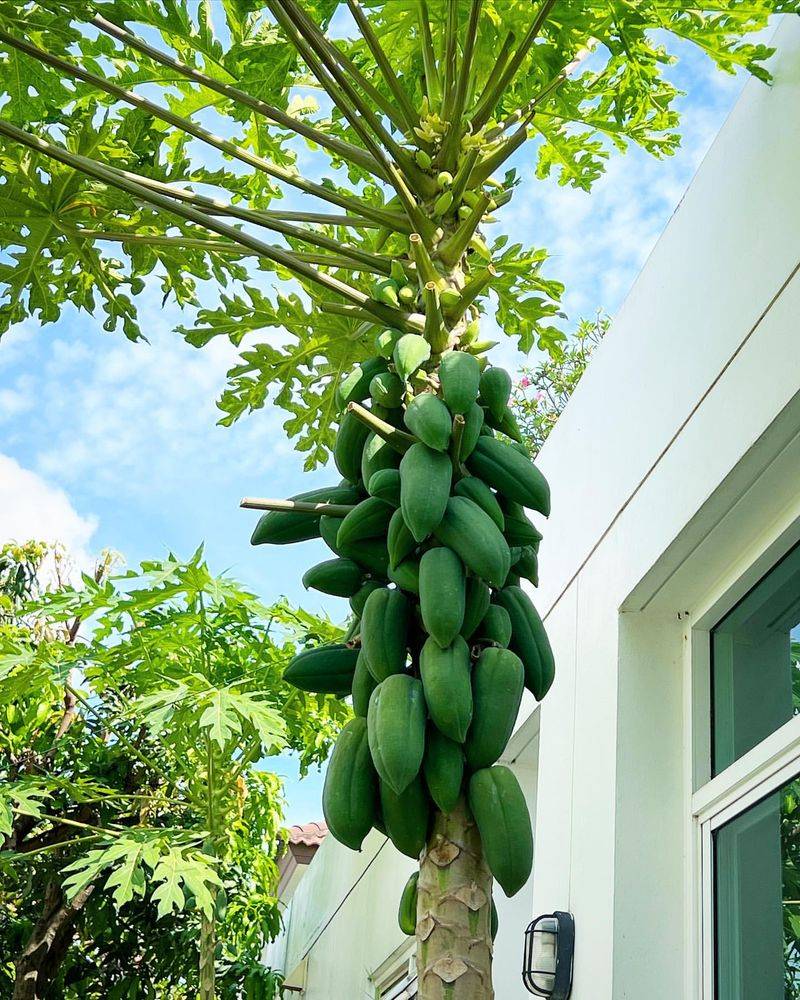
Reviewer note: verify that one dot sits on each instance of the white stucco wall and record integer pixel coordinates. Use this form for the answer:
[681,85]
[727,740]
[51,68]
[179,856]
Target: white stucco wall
[673,468]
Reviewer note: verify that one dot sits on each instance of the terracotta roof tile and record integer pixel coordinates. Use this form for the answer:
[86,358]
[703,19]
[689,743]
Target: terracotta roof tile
[310,834]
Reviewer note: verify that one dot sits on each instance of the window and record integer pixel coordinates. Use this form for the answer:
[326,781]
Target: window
[754,664]
[757,875]
[402,988]
[749,812]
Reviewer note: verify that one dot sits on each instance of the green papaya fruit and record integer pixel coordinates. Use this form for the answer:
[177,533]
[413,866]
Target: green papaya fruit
[459,375]
[528,565]
[391,415]
[384,628]
[446,681]
[510,473]
[323,669]
[370,553]
[406,575]
[329,529]
[443,767]
[396,728]
[507,424]
[349,445]
[478,492]
[495,391]
[377,454]
[354,387]
[387,389]
[285,527]
[495,627]
[494,921]
[406,817]
[363,686]
[529,640]
[369,519]
[429,419]
[501,813]
[425,478]
[385,485]
[359,599]
[385,341]
[407,911]
[399,540]
[473,422]
[498,679]
[408,295]
[385,290]
[338,577]
[473,535]
[517,528]
[410,351]
[441,593]
[477,601]
[350,793]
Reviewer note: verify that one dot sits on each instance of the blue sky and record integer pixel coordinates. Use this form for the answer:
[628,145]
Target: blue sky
[108,444]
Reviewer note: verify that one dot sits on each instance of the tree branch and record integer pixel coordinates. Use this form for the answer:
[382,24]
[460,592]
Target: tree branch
[456,111]
[450,51]
[484,170]
[397,439]
[189,127]
[338,146]
[432,82]
[279,256]
[309,41]
[491,96]
[499,65]
[451,250]
[296,506]
[534,102]
[407,110]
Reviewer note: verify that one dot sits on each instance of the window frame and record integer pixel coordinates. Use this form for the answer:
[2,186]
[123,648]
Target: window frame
[756,774]
[391,972]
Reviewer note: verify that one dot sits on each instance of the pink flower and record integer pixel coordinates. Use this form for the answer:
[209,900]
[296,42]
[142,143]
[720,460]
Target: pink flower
[524,382]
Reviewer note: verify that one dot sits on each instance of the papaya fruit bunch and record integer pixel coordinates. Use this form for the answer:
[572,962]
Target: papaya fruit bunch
[430,541]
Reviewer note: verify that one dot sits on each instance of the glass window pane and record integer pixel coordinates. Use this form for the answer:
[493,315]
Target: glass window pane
[757,901]
[755,651]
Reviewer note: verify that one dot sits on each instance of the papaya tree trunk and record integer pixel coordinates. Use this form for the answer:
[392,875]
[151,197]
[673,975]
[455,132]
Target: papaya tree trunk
[454,941]
[208,945]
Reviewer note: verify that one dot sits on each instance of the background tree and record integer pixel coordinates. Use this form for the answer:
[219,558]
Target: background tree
[140,827]
[421,108]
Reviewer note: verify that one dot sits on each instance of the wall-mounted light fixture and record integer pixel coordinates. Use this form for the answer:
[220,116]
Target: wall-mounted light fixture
[549,953]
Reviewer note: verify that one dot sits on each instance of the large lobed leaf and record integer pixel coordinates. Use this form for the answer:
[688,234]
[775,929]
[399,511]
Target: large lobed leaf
[52,219]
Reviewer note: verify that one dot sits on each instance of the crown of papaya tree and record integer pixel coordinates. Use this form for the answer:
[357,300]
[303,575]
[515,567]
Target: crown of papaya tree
[197,122]
[418,108]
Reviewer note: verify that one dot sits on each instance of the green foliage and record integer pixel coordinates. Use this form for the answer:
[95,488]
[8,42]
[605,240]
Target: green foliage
[137,714]
[542,392]
[68,238]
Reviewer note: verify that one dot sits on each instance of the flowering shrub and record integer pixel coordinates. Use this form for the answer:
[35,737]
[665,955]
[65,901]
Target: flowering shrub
[543,391]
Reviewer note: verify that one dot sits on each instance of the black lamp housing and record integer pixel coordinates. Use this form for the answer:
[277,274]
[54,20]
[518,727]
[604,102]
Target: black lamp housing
[549,954]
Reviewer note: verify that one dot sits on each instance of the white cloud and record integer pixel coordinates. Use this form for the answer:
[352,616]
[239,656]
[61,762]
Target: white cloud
[132,418]
[32,508]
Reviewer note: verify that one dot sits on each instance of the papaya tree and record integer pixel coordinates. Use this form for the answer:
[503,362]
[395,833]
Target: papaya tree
[138,823]
[172,132]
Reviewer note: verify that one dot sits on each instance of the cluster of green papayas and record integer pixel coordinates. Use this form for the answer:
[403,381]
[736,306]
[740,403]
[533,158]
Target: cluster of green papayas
[443,638]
